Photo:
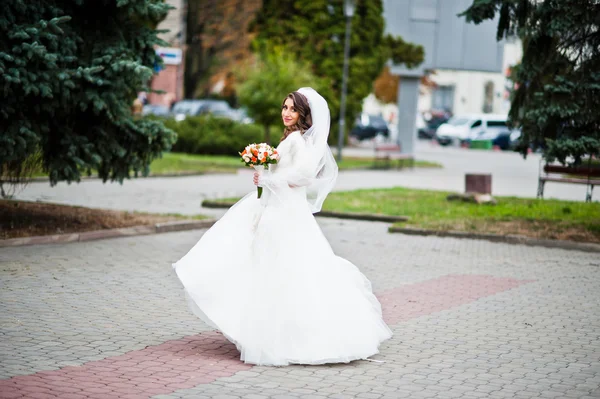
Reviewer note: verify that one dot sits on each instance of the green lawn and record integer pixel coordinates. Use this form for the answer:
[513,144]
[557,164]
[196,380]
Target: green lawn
[552,219]
[368,163]
[431,210]
[178,163]
[174,163]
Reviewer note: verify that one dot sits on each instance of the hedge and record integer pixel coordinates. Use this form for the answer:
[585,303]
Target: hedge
[211,135]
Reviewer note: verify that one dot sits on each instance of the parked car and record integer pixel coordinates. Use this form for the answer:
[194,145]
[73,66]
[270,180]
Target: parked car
[241,115]
[218,108]
[428,130]
[185,108]
[155,109]
[515,139]
[368,126]
[461,128]
[421,125]
[500,137]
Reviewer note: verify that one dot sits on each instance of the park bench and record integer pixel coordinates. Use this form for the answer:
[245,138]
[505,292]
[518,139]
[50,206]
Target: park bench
[386,153]
[587,175]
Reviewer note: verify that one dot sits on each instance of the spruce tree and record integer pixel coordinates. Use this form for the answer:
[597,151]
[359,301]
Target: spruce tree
[313,31]
[69,72]
[557,102]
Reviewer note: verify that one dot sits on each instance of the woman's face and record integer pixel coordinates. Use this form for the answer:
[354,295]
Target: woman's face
[288,113]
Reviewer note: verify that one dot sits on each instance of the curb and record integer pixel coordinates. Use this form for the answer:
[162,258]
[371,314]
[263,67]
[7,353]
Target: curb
[110,233]
[372,217]
[181,174]
[507,239]
[216,204]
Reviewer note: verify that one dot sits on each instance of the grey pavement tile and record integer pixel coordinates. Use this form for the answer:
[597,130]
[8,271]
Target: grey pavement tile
[106,298]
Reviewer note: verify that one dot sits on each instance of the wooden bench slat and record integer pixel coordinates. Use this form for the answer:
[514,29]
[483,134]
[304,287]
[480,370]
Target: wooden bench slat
[587,175]
[387,147]
[576,170]
[570,180]
[400,156]
[392,152]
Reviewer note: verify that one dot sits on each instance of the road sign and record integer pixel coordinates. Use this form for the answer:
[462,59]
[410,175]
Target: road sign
[170,55]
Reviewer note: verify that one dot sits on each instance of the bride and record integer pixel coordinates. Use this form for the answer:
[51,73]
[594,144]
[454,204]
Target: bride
[265,275]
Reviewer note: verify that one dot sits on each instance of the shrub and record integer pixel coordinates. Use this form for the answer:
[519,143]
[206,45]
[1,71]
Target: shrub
[210,135]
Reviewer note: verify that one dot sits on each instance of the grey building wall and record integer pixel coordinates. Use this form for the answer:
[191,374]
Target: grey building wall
[450,42]
[175,23]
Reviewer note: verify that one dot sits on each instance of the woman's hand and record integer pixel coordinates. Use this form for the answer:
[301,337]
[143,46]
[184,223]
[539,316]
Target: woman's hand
[256,176]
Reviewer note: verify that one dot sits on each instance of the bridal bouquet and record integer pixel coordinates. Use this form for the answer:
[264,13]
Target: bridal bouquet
[259,156]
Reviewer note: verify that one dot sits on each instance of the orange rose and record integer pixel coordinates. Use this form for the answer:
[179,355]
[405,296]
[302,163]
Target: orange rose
[253,159]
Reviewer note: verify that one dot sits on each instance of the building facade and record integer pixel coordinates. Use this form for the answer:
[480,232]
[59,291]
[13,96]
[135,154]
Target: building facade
[170,78]
[468,92]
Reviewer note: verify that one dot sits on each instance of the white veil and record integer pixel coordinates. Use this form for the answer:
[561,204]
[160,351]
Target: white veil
[315,167]
[326,169]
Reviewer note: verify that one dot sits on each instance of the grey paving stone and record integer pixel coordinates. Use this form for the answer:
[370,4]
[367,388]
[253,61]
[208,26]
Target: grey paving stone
[106,298]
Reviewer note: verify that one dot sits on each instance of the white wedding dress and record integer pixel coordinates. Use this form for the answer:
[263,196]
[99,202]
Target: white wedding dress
[267,278]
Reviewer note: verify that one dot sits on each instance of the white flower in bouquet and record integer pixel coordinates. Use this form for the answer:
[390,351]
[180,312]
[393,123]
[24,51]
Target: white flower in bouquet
[257,155]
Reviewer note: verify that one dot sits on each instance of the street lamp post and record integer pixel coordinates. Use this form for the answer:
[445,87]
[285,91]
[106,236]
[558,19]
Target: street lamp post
[349,6]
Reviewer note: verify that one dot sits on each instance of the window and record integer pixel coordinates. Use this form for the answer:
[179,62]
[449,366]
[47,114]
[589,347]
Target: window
[443,98]
[488,97]
[496,123]
[476,123]
[457,121]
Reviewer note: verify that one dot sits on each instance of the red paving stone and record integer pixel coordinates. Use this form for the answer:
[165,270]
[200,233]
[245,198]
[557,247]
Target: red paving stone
[447,292]
[188,355]
[203,358]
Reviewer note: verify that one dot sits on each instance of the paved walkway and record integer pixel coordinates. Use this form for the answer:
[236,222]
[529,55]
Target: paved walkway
[108,319]
[511,176]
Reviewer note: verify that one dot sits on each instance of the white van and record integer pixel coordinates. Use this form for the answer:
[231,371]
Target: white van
[462,128]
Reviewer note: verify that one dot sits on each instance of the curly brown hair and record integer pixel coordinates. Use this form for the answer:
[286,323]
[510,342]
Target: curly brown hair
[303,108]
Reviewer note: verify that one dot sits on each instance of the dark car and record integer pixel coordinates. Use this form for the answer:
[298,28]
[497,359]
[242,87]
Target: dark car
[428,132]
[501,137]
[368,126]
[515,142]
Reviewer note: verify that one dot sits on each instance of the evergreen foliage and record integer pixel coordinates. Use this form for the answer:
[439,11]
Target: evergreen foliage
[69,72]
[314,32]
[557,102]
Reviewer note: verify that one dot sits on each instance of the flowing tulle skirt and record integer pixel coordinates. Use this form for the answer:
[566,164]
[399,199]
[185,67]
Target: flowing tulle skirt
[267,278]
